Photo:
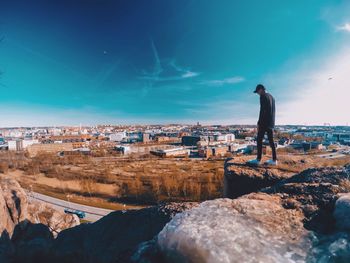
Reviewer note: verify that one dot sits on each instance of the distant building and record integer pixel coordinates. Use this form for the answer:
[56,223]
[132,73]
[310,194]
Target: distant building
[307,146]
[224,137]
[15,145]
[78,151]
[213,151]
[190,140]
[146,137]
[67,139]
[20,144]
[134,137]
[296,145]
[34,149]
[174,152]
[162,138]
[117,137]
[238,147]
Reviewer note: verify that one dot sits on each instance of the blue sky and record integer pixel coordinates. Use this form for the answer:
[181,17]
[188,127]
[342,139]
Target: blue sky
[91,62]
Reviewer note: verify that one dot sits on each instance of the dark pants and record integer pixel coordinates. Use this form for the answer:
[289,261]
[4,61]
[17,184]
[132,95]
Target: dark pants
[261,134]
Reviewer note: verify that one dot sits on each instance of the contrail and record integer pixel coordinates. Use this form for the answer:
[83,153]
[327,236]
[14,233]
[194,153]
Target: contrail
[157,66]
[105,74]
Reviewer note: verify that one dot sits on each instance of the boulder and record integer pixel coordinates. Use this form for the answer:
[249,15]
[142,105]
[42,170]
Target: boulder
[342,212]
[241,179]
[253,228]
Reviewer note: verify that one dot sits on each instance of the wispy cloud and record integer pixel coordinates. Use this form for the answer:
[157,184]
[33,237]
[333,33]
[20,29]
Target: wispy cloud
[189,74]
[165,70]
[344,27]
[221,82]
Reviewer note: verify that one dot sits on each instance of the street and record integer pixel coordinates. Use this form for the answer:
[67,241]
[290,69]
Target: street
[92,213]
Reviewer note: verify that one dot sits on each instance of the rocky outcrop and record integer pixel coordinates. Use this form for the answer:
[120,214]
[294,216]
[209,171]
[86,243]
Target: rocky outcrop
[16,208]
[55,220]
[253,228]
[115,237]
[297,219]
[314,192]
[342,212]
[240,179]
[291,221]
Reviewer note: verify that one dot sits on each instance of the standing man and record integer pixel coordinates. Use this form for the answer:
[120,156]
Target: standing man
[266,124]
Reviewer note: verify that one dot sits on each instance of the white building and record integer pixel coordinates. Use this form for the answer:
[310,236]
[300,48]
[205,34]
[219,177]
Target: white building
[230,137]
[12,145]
[117,137]
[19,145]
[26,143]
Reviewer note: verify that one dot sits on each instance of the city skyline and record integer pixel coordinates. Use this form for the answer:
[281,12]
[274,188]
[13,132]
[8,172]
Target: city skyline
[93,62]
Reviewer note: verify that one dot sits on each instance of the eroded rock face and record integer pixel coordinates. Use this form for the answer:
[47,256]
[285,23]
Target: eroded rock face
[56,221]
[254,228]
[15,208]
[240,179]
[314,192]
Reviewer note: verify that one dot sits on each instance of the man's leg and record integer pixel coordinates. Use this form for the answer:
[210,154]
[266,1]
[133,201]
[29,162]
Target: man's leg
[272,144]
[259,142]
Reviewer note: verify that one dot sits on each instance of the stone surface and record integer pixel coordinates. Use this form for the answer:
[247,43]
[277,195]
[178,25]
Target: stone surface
[31,242]
[254,228]
[314,192]
[15,208]
[240,179]
[115,237]
[274,224]
[342,212]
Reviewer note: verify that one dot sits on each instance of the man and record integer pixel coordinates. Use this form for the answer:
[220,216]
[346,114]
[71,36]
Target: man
[266,124]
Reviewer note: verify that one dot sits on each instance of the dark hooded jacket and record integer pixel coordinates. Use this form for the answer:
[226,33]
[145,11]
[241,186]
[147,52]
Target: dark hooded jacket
[267,111]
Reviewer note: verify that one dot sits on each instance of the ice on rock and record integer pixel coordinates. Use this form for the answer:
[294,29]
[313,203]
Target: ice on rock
[241,230]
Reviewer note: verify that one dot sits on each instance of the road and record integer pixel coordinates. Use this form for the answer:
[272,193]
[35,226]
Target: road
[341,152]
[332,155]
[92,213]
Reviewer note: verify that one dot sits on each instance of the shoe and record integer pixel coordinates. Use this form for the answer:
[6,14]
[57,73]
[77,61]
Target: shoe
[254,162]
[271,162]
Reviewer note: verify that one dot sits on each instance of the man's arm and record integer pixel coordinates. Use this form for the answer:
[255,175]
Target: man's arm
[264,109]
